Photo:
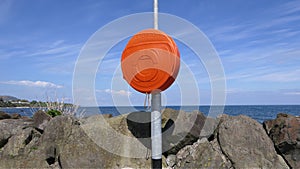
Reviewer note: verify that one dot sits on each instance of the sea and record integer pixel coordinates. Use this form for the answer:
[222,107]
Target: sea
[260,113]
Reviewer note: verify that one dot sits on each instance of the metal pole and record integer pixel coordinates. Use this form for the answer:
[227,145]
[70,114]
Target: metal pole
[155,7]
[156,136]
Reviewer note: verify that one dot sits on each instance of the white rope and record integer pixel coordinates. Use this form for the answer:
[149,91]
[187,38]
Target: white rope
[147,102]
[155,7]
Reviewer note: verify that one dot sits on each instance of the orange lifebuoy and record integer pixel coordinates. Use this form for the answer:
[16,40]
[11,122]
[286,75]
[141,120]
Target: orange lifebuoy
[150,61]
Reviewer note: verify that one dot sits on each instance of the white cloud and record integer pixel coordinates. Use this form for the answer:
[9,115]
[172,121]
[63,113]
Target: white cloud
[265,74]
[57,43]
[233,90]
[58,50]
[290,7]
[42,51]
[116,92]
[284,76]
[33,84]
[292,93]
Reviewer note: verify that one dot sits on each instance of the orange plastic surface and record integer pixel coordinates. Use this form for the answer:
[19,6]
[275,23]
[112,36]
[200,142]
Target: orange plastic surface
[150,61]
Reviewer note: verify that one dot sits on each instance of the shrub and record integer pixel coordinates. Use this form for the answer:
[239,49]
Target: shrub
[53,112]
[59,107]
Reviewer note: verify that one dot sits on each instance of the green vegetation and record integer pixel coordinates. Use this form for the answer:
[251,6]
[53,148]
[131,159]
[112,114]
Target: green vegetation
[9,101]
[53,108]
[6,103]
[35,103]
[34,148]
[53,112]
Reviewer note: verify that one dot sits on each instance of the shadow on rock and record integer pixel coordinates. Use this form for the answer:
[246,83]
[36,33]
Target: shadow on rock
[139,124]
[178,129]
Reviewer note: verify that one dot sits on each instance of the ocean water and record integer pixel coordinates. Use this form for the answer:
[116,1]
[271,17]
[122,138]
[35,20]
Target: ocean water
[257,112]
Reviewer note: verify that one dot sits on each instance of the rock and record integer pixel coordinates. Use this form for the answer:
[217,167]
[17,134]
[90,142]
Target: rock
[179,128]
[21,142]
[4,115]
[202,154]
[119,141]
[23,162]
[10,127]
[244,141]
[107,115]
[285,133]
[122,141]
[139,124]
[171,160]
[26,118]
[184,129]
[40,119]
[164,163]
[91,118]
[68,143]
[16,116]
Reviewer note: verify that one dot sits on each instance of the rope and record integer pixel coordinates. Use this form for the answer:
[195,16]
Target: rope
[148,155]
[147,101]
[155,8]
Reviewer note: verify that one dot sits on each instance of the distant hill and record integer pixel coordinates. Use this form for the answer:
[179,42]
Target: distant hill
[8,98]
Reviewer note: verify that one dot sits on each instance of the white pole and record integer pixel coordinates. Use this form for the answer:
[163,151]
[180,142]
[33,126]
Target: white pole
[156,136]
[155,7]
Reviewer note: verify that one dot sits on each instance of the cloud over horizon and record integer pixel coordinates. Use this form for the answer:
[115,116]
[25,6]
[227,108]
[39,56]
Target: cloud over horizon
[116,92]
[28,83]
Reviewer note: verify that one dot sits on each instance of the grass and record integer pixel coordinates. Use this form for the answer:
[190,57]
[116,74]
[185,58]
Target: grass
[59,107]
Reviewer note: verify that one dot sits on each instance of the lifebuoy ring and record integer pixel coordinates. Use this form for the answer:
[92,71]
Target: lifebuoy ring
[150,61]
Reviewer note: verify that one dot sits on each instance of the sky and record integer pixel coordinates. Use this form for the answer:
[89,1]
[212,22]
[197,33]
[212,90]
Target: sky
[257,43]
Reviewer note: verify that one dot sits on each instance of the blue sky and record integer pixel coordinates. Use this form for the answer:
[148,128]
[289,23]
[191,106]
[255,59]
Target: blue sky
[257,41]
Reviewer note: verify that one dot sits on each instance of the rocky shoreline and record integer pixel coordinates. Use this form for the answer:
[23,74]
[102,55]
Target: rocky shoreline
[190,140]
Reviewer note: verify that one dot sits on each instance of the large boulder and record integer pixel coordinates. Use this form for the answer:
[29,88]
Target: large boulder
[184,128]
[124,141]
[16,116]
[69,143]
[4,115]
[21,143]
[285,133]
[18,139]
[179,128]
[119,147]
[40,120]
[10,127]
[247,145]
[202,154]
[139,124]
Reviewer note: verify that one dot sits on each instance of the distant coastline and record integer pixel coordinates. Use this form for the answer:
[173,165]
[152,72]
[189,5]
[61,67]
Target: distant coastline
[257,112]
[14,102]
[17,107]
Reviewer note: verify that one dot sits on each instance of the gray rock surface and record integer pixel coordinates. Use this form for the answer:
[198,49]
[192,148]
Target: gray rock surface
[118,142]
[64,144]
[21,143]
[179,128]
[202,154]
[247,145]
[40,119]
[15,116]
[171,160]
[186,128]
[10,127]
[4,115]
[285,133]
